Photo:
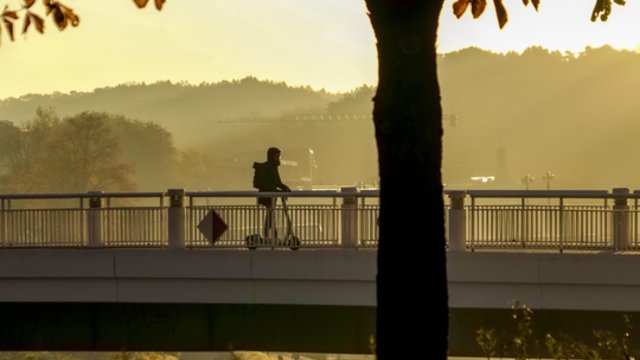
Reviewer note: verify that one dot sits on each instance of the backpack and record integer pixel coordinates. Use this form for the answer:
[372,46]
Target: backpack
[259,175]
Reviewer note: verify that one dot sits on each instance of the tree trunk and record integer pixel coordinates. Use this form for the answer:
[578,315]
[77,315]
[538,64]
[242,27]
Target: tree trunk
[408,123]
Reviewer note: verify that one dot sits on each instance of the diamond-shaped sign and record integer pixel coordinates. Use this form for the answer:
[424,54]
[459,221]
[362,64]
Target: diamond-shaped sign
[212,226]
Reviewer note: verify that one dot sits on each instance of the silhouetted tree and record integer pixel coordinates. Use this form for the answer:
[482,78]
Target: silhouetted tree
[76,154]
[149,149]
[407,117]
[198,169]
[9,145]
[24,152]
[408,120]
[83,155]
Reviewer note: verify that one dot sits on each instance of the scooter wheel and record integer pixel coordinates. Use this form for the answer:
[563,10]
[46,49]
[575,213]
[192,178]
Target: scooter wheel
[252,241]
[294,243]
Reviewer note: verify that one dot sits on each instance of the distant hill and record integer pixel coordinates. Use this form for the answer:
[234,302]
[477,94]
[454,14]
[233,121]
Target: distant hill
[574,114]
[507,115]
[189,112]
[232,124]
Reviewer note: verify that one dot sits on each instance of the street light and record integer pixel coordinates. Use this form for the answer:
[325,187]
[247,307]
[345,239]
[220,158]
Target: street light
[526,180]
[548,176]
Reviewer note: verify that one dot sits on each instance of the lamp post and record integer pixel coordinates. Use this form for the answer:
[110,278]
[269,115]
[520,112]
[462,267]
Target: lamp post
[526,180]
[548,176]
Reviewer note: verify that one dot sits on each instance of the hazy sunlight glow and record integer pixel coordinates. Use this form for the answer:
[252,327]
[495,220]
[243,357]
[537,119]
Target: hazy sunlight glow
[563,25]
[322,43]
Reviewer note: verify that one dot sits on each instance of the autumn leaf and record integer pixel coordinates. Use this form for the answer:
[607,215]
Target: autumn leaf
[8,16]
[141,3]
[70,15]
[49,5]
[501,13]
[459,7]
[535,3]
[27,22]
[59,18]
[62,14]
[6,13]
[601,9]
[605,7]
[38,22]
[477,7]
[9,25]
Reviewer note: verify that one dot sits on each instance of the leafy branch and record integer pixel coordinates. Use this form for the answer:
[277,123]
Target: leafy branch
[61,15]
[601,10]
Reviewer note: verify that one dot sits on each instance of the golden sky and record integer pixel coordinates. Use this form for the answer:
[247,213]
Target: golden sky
[322,43]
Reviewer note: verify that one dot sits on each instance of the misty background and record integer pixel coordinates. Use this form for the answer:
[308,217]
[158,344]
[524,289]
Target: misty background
[506,115]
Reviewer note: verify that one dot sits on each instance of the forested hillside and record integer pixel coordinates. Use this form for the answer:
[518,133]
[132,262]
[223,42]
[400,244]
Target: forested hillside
[506,115]
[190,112]
[573,114]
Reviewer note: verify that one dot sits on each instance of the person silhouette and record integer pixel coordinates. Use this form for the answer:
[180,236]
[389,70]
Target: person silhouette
[267,179]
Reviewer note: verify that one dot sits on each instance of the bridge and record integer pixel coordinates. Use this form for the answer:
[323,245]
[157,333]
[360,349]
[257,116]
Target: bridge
[184,300]
[110,271]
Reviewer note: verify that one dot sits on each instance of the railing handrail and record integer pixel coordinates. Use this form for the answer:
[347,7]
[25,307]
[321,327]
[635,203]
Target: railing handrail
[331,193]
[254,193]
[293,193]
[590,194]
[82,195]
[195,194]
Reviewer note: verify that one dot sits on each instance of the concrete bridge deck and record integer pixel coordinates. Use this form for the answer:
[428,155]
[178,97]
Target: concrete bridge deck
[309,300]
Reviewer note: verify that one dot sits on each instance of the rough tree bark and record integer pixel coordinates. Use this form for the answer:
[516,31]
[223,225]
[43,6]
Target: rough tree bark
[408,124]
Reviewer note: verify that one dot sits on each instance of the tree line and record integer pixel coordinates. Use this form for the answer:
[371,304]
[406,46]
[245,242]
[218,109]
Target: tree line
[190,112]
[90,151]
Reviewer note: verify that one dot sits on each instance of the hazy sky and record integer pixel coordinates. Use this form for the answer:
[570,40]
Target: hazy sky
[322,43]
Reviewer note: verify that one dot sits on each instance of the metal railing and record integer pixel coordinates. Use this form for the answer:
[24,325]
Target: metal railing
[69,220]
[546,220]
[346,218]
[552,220]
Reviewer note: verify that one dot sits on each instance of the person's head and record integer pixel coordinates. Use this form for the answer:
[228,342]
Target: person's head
[273,155]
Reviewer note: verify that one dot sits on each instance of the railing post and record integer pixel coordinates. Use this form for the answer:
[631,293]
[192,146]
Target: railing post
[620,219]
[94,219]
[176,218]
[561,224]
[457,221]
[349,217]
[3,224]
